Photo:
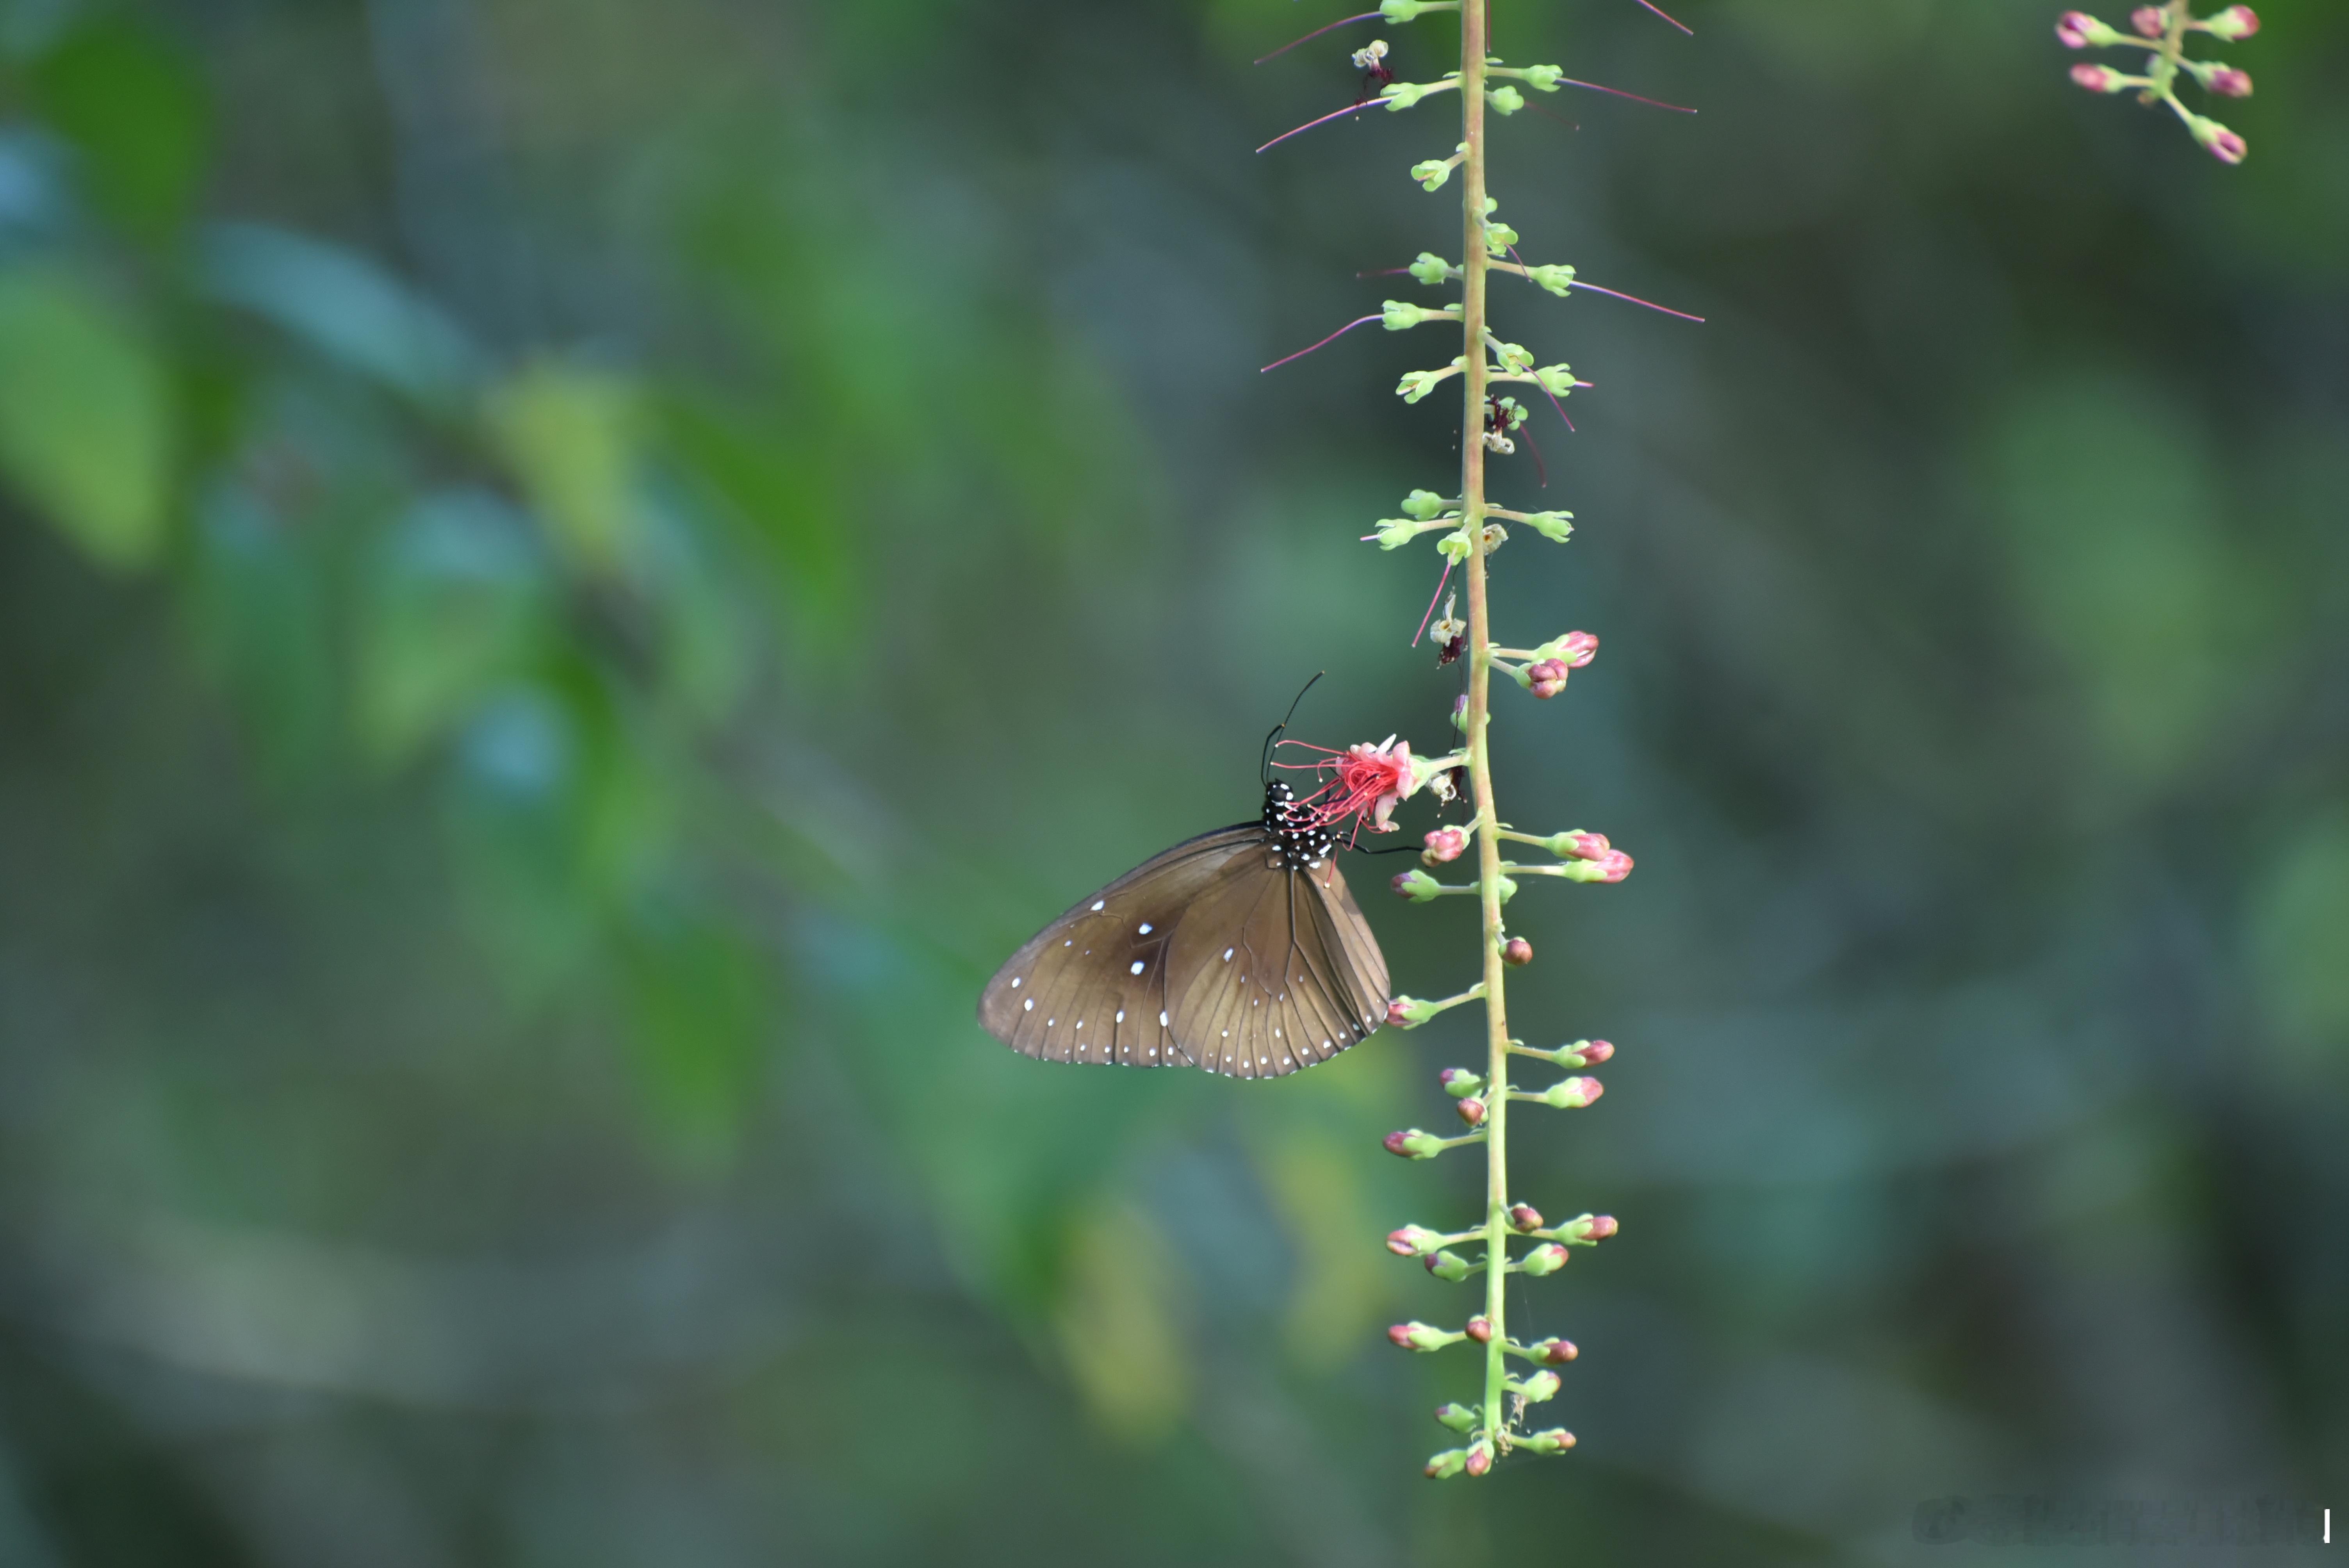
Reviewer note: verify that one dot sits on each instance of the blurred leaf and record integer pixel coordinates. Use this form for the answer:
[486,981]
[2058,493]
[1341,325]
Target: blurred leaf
[2115,534]
[85,417]
[1318,1185]
[134,107]
[343,306]
[1116,1326]
[2300,939]
[699,996]
[451,610]
[260,614]
[572,437]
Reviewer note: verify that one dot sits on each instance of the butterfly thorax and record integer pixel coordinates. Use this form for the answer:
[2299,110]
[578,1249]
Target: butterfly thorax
[1297,834]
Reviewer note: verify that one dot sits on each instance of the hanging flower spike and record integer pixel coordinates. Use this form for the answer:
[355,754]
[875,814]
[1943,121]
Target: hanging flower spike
[2163,30]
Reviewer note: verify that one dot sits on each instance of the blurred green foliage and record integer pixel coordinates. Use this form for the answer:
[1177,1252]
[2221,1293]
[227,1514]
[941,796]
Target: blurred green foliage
[573,575]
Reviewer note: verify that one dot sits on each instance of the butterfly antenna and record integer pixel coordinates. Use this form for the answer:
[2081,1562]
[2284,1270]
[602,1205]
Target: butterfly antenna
[1263,767]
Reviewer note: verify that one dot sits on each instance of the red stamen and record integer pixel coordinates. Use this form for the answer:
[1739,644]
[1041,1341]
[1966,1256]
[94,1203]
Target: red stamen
[1690,31]
[1340,332]
[1309,125]
[1314,34]
[1618,92]
[1635,299]
[1424,620]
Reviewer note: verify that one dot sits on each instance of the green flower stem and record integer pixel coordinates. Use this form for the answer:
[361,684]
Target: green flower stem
[1474,265]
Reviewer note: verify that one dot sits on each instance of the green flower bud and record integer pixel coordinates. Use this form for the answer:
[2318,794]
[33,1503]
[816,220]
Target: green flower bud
[1394,532]
[1418,384]
[1432,173]
[1431,269]
[1417,886]
[1542,78]
[1542,1385]
[1399,315]
[1557,380]
[1459,1417]
[1453,546]
[1447,1266]
[1407,10]
[1447,1464]
[1557,1440]
[1548,1258]
[1508,889]
[1505,101]
[1557,527]
[1425,505]
[1417,1336]
[1414,1144]
[1406,95]
[1498,238]
[1458,1081]
[1555,277]
[1513,356]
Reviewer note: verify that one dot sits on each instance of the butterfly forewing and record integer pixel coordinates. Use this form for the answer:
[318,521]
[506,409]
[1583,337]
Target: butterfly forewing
[1091,985]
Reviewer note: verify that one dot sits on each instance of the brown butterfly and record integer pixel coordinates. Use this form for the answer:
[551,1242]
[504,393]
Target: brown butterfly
[1241,951]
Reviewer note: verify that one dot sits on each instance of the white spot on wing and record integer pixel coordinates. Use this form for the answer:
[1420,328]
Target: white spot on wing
[1015,982]
[1137,966]
[1161,1024]
[1097,903]
[1120,1014]
[1029,1006]
[1227,954]
[1146,928]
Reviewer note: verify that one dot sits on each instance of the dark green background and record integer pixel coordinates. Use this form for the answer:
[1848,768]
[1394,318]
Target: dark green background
[573,573]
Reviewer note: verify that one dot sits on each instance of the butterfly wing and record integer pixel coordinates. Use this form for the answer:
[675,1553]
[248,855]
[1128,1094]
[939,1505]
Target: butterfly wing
[1092,985]
[1274,969]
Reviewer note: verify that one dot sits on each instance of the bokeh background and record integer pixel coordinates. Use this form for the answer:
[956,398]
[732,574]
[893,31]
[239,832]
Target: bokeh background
[574,574]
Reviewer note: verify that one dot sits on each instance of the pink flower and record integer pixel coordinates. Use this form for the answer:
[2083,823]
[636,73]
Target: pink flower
[2099,79]
[2149,21]
[1444,844]
[2234,22]
[2228,82]
[1546,678]
[1367,783]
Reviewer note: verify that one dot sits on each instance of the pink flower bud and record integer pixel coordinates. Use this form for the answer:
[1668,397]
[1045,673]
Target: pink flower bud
[1447,1464]
[1444,844]
[1517,951]
[1459,1417]
[1548,1258]
[1416,1335]
[2224,144]
[1472,1110]
[1593,1052]
[1546,678]
[1411,1241]
[1596,1227]
[1614,866]
[1556,1352]
[2234,22]
[1480,1329]
[1414,1144]
[1525,1217]
[2099,79]
[2228,82]
[1457,1081]
[1577,649]
[1539,1387]
[1580,846]
[2077,30]
[1480,1459]
[1557,1440]
[2148,21]
[1572,1094]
